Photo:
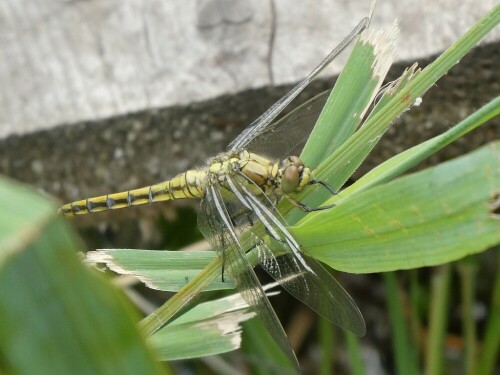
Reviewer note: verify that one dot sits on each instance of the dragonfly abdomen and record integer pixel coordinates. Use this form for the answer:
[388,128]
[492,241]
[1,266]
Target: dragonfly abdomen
[187,185]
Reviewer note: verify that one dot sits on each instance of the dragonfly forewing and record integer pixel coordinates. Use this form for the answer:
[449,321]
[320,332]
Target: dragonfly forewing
[280,255]
[317,289]
[215,224]
[288,135]
[257,126]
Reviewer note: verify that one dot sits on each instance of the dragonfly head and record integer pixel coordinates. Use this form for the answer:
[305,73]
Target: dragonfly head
[294,175]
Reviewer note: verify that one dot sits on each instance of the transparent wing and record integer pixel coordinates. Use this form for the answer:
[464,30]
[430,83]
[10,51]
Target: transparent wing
[217,227]
[301,276]
[317,289]
[288,135]
[267,117]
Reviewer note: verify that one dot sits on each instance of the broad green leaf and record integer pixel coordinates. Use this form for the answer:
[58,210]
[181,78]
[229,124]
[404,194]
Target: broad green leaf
[56,315]
[428,218]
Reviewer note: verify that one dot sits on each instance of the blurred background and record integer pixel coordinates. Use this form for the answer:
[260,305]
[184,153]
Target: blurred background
[104,96]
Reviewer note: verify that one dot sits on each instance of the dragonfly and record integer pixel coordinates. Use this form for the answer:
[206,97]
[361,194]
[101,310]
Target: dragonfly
[239,190]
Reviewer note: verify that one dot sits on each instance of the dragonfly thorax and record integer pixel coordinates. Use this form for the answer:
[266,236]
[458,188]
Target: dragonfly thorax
[286,177]
[260,174]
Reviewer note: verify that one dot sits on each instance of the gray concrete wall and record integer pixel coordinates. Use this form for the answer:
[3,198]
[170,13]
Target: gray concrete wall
[63,62]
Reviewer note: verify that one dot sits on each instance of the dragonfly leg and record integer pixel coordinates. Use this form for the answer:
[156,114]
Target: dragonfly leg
[324,184]
[305,207]
[249,218]
[259,243]
[223,265]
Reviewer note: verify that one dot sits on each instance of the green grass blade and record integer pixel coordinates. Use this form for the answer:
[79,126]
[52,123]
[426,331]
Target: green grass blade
[393,88]
[427,218]
[416,291]
[57,316]
[160,270]
[179,300]
[491,343]
[357,365]
[326,336]
[467,272]
[352,95]
[404,353]
[207,329]
[438,320]
[413,156]
[193,341]
[264,355]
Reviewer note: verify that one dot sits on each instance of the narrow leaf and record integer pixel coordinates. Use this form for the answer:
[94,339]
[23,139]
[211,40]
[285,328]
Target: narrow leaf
[160,270]
[207,329]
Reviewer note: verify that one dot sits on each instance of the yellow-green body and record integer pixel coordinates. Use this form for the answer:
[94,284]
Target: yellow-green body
[265,174]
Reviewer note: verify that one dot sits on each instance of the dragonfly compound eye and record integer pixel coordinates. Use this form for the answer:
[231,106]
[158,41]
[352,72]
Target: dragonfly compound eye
[296,160]
[290,179]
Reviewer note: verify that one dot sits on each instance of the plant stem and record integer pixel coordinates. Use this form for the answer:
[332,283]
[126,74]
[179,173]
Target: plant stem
[157,319]
[403,352]
[355,355]
[438,320]
[326,339]
[491,344]
[467,272]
